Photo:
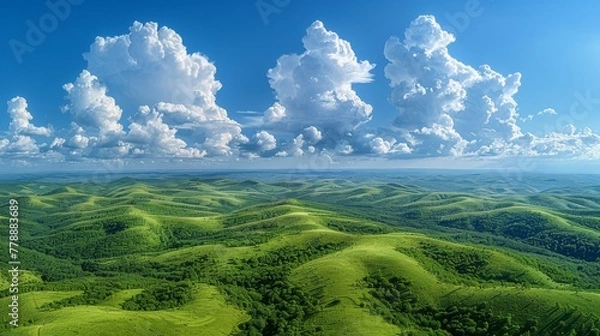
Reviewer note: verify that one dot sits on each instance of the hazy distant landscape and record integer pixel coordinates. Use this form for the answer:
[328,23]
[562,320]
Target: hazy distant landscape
[326,253]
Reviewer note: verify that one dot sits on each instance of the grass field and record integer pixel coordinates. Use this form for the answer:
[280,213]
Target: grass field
[207,314]
[328,256]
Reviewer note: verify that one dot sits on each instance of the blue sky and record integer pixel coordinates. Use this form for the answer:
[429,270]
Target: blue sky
[552,113]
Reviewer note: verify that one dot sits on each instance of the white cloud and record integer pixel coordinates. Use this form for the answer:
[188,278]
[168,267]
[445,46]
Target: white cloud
[381,146]
[23,145]
[216,134]
[445,107]
[314,89]
[150,136]
[265,141]
[448,107]
[312,135]
[21,120]
[57,143]
[96,127]
[296,147]
[568,143]
[22,133]
[344,148]
[150,67]
[91,107]
[549,111]
[79,141]
[274,114]
[546,111]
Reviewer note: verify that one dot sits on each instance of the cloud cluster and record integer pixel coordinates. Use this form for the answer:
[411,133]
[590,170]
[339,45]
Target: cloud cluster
[150,65]
[143,95]
[151,136]
[95,129]
[445,106]
[20,140]
[264,141]
[21,120]
[567,143]
[149,71]
[315,98]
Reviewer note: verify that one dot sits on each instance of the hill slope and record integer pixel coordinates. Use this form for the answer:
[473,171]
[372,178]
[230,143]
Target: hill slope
[193,256]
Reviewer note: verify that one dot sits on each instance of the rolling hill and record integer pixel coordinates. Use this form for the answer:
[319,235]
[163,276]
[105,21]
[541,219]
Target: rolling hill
[335,255]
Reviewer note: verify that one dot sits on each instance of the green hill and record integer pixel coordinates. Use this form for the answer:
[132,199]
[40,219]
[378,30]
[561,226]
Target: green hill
[186,255]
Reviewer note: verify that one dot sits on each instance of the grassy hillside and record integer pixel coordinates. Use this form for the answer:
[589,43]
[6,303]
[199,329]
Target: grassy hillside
[330,256]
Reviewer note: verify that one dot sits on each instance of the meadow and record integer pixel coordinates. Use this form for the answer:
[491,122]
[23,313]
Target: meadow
[333,253]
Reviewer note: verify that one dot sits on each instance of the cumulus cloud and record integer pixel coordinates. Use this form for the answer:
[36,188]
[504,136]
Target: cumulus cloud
[379,145]
[22,145]
[91,107]
[150,70]
[312,135]
[584,144]
[143,95]
[96,129]
[57,143]
[314,90]
[567,143]
[296,147]
[151,65]
[22,133]
[448,107]
[217,134]
[21,120]
[264,141]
